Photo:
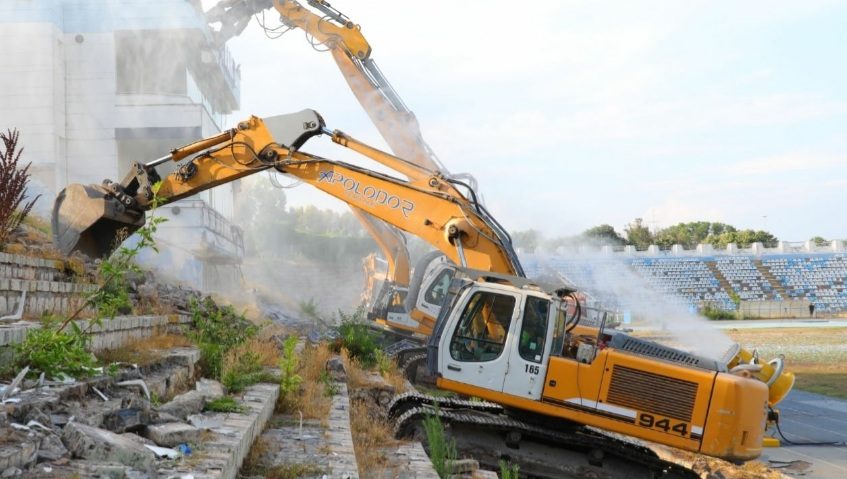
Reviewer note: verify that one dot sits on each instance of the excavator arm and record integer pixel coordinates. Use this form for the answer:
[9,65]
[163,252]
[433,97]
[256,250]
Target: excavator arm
[427,205]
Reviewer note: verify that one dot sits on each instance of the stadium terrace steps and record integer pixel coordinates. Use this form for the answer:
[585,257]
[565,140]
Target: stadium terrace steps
[775,284]
[725,285]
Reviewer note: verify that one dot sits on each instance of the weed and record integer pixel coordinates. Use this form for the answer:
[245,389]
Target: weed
[217,330]
[56,353]
[13,186]
[330,386]
[242,367]
[442,451]
[356,337]
[294,471]
[155,400]
[224,404]
[289,379]
[383,362]
[371,437]
[509,470]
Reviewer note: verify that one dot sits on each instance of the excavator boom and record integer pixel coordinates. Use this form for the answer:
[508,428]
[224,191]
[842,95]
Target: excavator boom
[94,218]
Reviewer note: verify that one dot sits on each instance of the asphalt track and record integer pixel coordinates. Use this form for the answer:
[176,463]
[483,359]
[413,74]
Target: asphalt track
[808,417]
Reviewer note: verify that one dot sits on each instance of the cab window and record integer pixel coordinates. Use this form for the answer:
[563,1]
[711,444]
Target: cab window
[436,292]
[483,327]
[534,329]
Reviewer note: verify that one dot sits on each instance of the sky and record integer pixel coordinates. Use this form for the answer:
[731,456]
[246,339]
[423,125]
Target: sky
[572,114]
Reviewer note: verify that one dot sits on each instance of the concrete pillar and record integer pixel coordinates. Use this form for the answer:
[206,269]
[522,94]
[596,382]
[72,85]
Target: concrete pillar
[782,246]
[606,250]
[809,246]
[677,250]
[837,245]
[757,248]
[629,250]
[653,250]
[732,248]
[705,249]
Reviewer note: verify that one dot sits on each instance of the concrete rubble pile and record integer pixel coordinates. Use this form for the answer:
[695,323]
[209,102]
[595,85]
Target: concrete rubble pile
[105,426]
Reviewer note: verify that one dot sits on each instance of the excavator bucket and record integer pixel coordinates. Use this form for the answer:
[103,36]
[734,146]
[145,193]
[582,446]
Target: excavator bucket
[90,220]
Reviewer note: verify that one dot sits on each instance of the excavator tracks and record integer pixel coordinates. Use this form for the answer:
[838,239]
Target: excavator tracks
[483,428]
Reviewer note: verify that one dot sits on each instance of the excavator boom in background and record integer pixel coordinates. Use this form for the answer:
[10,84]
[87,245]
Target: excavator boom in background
[387,295]
[498,336]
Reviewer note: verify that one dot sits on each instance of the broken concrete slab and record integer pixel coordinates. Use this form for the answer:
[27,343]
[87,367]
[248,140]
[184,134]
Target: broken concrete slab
[172,434]
[127,420]
[51,448]
[184,405]
[193,402]
[88,442]
[20,450]
[210,388]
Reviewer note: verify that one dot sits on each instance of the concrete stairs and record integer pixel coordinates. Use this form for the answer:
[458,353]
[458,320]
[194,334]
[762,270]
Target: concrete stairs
[50,286]
[724,283]
[774,282]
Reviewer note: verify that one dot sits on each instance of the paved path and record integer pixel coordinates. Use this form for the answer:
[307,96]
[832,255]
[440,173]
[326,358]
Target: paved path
[779,323]
[808,417]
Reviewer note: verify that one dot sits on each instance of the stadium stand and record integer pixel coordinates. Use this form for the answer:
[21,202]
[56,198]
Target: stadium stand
[820,278]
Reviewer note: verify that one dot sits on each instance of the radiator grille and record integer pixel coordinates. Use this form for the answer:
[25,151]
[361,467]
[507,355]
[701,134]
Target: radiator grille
[652,393]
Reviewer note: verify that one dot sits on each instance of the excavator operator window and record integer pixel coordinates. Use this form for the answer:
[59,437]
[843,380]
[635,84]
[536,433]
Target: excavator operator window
[483,327]
[435,294]
[534,329]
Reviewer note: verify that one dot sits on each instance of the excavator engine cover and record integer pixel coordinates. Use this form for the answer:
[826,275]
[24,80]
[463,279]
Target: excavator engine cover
[91,220]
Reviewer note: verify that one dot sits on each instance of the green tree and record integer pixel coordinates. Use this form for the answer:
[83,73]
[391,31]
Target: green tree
[604,234]
[638,235]
[689,235]
[819,241]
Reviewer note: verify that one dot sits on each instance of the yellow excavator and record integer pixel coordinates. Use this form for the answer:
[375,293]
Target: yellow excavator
[500,337]
[387,294]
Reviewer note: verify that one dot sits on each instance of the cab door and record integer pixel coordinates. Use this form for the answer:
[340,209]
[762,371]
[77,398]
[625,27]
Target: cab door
[528,357]
[478,349]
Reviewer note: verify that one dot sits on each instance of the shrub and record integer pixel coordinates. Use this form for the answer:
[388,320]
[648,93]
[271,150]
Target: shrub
[712,312]
[217,330]
[13,186]
[356,336]
[55,353]
[289,379]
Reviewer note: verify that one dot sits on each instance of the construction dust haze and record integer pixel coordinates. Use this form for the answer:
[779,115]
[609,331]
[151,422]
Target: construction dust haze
[616,285]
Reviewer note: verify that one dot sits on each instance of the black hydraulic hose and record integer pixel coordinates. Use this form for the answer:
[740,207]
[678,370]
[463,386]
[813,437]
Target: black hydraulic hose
[807,443]
[501,232]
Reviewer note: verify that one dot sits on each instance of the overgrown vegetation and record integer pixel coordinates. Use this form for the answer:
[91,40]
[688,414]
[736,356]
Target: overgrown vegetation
[224,404]
[13,186]
[217,330]
[357,338]
[509,470]
[56,353]
[713,312]
[289,363]
[442,450]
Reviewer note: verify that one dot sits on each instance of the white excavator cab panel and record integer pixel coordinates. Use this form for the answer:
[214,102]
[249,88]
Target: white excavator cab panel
[434,287]
[528,358]
[479,337]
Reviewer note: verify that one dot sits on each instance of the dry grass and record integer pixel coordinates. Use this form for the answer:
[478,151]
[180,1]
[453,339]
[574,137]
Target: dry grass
[372,435]
[814,355]
[312,400]
[144,351]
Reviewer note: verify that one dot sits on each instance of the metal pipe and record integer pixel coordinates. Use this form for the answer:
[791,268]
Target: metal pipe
[159,161]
